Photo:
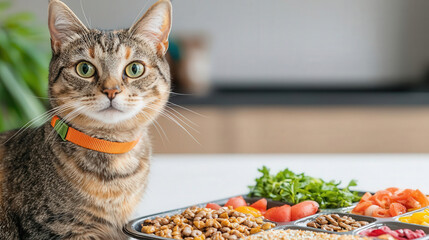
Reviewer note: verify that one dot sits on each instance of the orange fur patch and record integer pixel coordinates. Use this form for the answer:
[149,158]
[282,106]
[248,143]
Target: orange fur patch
[127,53]
[91,52]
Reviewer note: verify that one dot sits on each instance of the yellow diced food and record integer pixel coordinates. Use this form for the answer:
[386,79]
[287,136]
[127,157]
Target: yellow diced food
[421,218]
[405,219]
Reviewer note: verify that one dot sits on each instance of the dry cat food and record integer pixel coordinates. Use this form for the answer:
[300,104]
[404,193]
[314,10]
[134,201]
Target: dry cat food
[300,235]
[335,223]
[197,223]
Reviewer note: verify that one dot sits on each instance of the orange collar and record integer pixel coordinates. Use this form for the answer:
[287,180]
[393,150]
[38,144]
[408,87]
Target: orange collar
[79,138]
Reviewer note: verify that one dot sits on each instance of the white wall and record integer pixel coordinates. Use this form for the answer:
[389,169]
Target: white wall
[339,42]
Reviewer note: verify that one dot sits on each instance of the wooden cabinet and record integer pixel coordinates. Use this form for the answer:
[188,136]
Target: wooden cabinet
[296,130]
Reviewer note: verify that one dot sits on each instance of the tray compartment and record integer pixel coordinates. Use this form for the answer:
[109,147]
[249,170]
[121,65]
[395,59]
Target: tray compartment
[297,227]
[395,226]
[409,214]
[302,228]
[303,222]
[133,228]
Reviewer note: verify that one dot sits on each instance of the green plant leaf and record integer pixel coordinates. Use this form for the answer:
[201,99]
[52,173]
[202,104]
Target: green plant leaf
[24,61]
[21,93]
[293,188]
[4,5]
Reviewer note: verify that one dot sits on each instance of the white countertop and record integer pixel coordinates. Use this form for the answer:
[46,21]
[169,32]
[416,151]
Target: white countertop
[180,180]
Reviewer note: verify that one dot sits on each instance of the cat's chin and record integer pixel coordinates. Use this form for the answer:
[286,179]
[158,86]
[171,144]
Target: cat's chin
[111,115]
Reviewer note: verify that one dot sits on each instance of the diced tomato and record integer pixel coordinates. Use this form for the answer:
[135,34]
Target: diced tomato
[412,203]
[261,205]
[304,209]
[402,195]
[366,197]
[213,206]
[420,197]
[392,189]
[382,198]
[279,214]
[381,213]
[236,202]
[397,209]
[361,207]
[370,210]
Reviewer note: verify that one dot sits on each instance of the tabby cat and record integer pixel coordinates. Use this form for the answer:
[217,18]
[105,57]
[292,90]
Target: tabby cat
[108,86]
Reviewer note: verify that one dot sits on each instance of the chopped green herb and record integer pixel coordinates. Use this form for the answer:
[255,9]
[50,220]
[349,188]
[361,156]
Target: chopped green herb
[286,186]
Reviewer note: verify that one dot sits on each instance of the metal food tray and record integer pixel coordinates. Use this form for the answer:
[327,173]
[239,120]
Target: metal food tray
[133,228]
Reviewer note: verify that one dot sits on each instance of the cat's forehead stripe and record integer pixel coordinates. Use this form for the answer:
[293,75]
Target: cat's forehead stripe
[91,52]
[127,53]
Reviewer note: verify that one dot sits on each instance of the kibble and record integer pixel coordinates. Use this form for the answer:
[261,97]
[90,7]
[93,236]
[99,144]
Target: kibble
[206,224]
[335,223]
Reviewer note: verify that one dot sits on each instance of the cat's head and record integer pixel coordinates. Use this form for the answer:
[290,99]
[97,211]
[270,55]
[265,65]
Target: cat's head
[109,79]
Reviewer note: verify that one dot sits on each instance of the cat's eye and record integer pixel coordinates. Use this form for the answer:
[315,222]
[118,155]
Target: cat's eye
[134,70]
[85,69]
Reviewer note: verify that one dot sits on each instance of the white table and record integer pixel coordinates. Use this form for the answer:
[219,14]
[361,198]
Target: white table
[181,180]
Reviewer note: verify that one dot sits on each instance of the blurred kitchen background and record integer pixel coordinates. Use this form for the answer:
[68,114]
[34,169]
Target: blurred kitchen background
[273,76]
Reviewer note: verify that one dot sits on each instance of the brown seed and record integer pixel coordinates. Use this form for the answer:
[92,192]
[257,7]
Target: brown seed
[325,227]
[333,227]
[312,224]
[363,223]
[331,220]
[345,226]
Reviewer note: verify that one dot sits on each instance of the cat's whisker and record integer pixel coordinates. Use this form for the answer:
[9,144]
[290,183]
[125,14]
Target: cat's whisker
[136,19]
[176,122]
[67,118]
[180,119]
[171,114]
[155,123]
[174,110]
[53,98]
[84,14]
[187,109]
[179,94]
[42,118]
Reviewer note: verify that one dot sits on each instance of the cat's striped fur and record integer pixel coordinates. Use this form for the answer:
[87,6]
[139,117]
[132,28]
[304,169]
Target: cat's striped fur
[51,189]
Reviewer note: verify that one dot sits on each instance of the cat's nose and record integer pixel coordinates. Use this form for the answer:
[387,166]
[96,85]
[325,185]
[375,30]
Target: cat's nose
[112,92]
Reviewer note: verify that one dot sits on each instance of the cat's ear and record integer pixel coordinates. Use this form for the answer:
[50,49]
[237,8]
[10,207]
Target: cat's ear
[63,24]
[155,25]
